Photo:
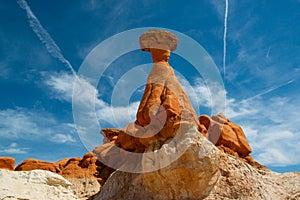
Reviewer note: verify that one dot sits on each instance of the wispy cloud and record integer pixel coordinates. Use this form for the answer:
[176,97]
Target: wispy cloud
[13,148]
[44,36]
[268,52]
[23,123]
[201,95]
[270,124]
[273,137]
[62,86]
[87,121]
[270,90]
[62,138]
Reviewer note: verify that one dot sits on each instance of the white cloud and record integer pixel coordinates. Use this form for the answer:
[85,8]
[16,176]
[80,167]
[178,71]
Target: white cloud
[272,128]
[13,149]
[118,116]
[63,138]
[210,95]
[219,6]
[271,125]
[22,123]
[86,94]
[62,85]
[89,111]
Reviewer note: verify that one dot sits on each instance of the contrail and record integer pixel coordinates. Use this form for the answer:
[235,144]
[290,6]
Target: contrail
[44,36]
[267,56]
[269,90]
[224,37]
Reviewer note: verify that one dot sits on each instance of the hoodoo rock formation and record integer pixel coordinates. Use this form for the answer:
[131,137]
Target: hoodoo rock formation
[178,157]
[167,153]
[164,110]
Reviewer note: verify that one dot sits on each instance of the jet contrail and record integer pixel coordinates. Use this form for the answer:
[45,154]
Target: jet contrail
[267,56]
[269,90]
[44,36]
[224,37]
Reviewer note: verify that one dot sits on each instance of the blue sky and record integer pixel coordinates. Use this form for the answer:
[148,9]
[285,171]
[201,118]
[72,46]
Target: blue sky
[261,79]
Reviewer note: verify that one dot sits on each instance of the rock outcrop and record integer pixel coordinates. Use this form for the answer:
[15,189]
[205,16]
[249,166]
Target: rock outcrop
[86,174]
[7,163]
[228,137]
[239,180]
[84,188]
[192,175]
[34,185]
[32,164]
[224,177]
[164,111]
[169,153]
[221,131]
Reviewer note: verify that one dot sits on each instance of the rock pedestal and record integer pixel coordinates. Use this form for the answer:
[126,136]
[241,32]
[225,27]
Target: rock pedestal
[164,146]
[163,111]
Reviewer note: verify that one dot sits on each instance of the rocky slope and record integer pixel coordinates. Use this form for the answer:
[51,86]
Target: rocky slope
[202,172]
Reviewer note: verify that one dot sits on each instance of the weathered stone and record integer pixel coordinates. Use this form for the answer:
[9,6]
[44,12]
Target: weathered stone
[221,131]
[110,134]
[32,164]
[164,106]
[35,184]
[72,169]
[239,180]
[163,110]
[84,188]
[7,163]
[191,171]
[158,39]
[88,161]
[248,159]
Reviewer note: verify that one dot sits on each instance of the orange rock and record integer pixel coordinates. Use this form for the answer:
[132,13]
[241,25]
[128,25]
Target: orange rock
[164,104]
[62,163]
[222,132]
[72,169]
[88,161]
[110,134]
[7,163]
[205,121]
[158,39]
[86,167]
[31,164]
[163,111]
